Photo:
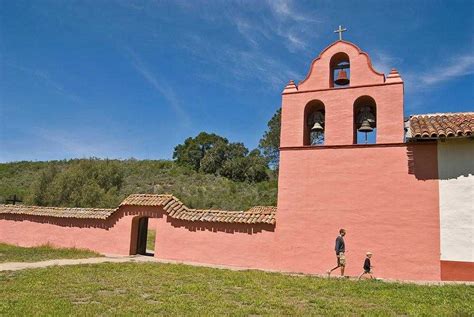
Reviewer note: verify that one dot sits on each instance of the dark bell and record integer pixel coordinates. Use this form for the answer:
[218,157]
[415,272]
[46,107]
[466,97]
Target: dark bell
[365,127]
[342,79]
[317,127]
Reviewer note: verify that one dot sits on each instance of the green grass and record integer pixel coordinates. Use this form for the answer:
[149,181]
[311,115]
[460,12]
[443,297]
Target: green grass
[150,239]
[11,253]
[168,289]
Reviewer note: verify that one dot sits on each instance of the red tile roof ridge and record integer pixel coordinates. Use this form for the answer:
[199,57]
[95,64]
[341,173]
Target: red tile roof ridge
[440,125]
[441,114]
[173,207]
[57,208]
[178,210]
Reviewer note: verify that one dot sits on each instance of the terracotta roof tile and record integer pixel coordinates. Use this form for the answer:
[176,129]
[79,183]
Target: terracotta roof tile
[441,125]
[172,206]
[61,212]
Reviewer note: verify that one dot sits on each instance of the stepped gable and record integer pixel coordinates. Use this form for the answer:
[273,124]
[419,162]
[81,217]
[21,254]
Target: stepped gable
[441,125]
[172,206]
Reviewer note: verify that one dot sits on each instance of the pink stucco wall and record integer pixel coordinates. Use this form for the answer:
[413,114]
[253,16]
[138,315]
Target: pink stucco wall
[339,108]
[216,243]
[362,71]
[386,197]
[105,236]
[212,243]
[101,236]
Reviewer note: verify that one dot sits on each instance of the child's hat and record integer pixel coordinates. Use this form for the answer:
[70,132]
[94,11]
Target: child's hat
[369,253]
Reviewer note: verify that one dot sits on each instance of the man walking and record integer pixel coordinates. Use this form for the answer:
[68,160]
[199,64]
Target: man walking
[340,253]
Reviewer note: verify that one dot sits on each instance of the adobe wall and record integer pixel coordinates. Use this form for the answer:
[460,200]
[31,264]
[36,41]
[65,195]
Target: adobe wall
[245,245]
[386,197]
[216,243]
[112,236]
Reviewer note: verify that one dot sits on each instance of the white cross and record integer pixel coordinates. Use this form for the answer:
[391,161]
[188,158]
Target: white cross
[340,30]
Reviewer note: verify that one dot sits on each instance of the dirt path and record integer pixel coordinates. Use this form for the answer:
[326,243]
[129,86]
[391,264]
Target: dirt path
[16,266]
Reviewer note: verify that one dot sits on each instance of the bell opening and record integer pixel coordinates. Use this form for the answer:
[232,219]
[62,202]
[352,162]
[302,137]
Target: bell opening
[365,120]
[314,123]
[339,70]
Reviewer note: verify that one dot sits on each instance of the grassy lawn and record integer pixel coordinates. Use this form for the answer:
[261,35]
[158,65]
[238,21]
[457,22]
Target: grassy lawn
[11,253]
[168,289]
[150,239]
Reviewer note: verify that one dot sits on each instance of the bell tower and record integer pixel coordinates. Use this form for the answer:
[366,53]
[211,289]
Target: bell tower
[344,164]
[342,101]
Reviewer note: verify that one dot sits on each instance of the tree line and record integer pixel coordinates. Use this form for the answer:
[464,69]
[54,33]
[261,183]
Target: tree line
[208,171]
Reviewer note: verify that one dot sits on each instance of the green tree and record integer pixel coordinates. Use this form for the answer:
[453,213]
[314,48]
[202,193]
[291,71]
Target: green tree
[193,150]
[270,142]
[39,193]
[212,161]
[235,169]
[257,167]
[213,154]
[84,183]
[251,168]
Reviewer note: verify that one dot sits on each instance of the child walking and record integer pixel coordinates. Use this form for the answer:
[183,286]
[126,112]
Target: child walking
[367,266]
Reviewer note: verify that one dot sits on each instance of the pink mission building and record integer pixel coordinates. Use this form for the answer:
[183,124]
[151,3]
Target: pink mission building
[403,190]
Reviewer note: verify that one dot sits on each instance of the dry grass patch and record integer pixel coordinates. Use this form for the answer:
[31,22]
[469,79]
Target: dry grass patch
[11,253]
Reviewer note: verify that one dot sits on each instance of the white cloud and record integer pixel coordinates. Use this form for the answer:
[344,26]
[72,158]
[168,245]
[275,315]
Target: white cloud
[295,28]
[45,79]
[252,64]
[161,86]
[419,83]
[384,62]
[461,66]
[274,24]
[272,20]
[78,144]
[284,9]
[444,71]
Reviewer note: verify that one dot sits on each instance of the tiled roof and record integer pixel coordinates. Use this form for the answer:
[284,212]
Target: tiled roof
[177,210]
[441,125]
[147,200]
[172,206]
[61,212]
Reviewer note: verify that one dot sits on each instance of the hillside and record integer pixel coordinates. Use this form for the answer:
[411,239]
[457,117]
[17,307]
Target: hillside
[105,183]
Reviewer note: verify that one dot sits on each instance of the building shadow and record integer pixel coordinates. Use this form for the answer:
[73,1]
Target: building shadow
[221,226]
[445,160]
[422,160]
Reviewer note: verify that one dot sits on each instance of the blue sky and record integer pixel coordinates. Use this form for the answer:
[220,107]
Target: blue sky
[123,79]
